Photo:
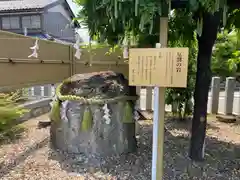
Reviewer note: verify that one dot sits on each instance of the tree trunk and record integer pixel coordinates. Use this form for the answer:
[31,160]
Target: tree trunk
[205,43]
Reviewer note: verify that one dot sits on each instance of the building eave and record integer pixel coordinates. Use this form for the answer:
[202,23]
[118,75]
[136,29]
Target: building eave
[21,11]
[76,24]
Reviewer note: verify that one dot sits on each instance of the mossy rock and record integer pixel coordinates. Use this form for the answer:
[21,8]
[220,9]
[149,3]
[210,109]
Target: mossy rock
[79,124]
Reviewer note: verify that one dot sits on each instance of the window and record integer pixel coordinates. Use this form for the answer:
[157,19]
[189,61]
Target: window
[10,22]
[32,22]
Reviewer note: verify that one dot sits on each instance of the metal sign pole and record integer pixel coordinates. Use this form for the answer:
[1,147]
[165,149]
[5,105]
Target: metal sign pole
[156,173]
[159,114]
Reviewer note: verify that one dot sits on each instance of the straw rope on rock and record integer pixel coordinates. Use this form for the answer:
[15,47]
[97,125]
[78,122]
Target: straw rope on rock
[93,114]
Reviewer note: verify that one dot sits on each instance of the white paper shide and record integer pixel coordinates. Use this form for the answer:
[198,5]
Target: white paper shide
[34,49]
[77,47]
[106,114]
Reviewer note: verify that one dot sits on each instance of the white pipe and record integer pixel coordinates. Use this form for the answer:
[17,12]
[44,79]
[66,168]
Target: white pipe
[155,133]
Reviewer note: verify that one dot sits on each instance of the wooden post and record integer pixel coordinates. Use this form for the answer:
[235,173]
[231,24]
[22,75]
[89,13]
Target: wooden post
[159,113]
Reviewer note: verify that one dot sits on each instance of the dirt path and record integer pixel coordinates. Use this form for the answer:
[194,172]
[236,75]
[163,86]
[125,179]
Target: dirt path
[31,158]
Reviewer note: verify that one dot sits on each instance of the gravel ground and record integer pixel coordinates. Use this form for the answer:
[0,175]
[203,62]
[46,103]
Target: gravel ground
[31,158]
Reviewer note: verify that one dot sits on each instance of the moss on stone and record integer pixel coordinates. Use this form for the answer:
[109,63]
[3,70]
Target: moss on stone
[87,120]
[55,112]
[128,113]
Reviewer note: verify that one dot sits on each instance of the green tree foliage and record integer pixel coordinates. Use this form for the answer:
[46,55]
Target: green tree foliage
[234,61]
[181,98]
[224,59]
[113,20]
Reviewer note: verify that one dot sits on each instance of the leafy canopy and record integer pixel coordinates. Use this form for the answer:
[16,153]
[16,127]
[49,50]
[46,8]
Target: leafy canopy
[114,20]
[225,57]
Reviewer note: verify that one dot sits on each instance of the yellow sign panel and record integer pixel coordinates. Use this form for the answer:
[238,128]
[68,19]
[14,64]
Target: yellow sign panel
[163,67]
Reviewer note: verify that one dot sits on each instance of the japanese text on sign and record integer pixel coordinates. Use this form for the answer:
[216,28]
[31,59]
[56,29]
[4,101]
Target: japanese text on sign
[166,67]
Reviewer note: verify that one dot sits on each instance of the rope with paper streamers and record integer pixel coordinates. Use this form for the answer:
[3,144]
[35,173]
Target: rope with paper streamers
[35,49]
[77,47]
[78,53]
[78,40]
[87,120]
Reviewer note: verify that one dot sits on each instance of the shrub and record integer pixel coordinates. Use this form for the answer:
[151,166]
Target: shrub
[9,111]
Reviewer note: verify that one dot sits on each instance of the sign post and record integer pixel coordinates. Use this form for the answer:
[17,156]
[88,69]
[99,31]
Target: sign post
[159,113]
[158,68]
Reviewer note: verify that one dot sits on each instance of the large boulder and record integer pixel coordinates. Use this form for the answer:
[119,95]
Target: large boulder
[93,114]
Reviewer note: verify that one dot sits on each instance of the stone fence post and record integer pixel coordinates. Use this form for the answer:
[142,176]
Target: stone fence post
[37,91]
[47,90]
[239,102]
[215,89]
[229,95]
[138,92]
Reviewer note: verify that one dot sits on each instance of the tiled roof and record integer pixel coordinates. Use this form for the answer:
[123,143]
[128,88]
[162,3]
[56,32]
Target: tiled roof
[6,5]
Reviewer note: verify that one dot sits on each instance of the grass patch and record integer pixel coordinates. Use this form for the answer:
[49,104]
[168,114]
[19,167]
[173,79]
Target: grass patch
[10,112]
[12,134]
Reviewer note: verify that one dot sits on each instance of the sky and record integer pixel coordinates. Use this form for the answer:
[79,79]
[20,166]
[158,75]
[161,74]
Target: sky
[83,32]
[73,6]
